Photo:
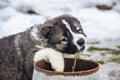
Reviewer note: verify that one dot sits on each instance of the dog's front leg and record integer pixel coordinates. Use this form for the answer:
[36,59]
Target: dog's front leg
[52,56]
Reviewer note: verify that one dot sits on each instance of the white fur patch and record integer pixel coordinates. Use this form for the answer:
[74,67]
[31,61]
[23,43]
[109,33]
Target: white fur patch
[76,36]
[34,33]
[52,56]
[16,42]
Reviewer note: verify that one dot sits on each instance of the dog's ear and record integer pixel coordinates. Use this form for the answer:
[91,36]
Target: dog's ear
[45,31]
[46,28]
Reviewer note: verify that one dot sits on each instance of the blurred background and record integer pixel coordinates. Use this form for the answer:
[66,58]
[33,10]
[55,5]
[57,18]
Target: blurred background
[100,20]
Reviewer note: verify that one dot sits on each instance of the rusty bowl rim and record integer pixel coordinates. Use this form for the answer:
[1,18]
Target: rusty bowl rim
[77,73]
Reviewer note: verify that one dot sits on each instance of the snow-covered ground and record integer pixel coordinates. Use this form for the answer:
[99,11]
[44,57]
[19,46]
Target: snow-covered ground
[101,26]
[104,24]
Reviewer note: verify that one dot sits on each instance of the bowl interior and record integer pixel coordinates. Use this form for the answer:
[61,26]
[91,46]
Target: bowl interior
[81,65]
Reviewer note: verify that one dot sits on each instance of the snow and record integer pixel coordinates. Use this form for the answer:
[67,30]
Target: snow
[99,25]
[13,21]
[104,24]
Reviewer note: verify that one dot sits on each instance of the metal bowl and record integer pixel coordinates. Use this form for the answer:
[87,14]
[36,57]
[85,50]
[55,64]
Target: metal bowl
[84,70]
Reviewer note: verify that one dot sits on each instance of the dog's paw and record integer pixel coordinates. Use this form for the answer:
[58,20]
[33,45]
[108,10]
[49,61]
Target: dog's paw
[52,56]
[58,66]
[39,55]
[57,61]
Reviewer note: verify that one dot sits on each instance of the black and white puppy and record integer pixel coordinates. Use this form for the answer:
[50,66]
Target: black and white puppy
[18,52]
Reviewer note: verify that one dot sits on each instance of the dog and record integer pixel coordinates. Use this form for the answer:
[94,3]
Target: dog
[48,41]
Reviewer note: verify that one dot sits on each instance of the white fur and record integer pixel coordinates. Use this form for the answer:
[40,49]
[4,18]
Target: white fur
[52,56]
[34,33]
[16,42]
[76,36]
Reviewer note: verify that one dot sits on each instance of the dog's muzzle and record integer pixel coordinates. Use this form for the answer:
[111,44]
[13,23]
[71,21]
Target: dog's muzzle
[77,46]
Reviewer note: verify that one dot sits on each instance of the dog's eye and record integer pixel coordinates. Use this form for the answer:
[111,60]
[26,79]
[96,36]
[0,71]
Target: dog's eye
[64,39]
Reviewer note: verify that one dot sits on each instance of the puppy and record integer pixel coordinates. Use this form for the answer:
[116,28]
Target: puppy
[62,34]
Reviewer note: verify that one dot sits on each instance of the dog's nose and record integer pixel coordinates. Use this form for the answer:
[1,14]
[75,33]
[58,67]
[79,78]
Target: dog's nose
[81,42]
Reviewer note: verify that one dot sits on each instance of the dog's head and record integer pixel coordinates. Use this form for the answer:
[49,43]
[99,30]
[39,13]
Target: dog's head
[64,34]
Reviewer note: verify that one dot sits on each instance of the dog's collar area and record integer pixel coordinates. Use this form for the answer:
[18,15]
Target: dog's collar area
[67,55]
